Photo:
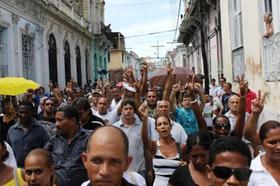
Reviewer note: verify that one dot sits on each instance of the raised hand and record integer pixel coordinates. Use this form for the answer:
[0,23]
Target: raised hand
[258,103]
[143,110]
[177,87]
[242,85]
[169,69]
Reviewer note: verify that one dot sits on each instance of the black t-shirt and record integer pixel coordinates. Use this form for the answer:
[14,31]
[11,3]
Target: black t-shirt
[94,123]
[182,177]
[4,127]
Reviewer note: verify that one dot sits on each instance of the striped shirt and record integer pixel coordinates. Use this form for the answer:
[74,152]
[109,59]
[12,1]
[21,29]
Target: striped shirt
[164,167]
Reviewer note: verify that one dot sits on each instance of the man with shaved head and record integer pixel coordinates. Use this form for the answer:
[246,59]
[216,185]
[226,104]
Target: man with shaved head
[106,158]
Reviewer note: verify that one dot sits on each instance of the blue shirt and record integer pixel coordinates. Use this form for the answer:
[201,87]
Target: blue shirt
[187,119]
[22,142]
[69,167]
[136,149]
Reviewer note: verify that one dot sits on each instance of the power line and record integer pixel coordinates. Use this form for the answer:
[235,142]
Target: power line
[151,33]
[177,23]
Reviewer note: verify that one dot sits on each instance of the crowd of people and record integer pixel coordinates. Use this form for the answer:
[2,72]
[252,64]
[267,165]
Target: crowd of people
[135,133]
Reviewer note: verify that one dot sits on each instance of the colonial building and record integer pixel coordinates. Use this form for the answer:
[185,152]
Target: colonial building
[47,40]
[200,31]
[251,45]
[241,37]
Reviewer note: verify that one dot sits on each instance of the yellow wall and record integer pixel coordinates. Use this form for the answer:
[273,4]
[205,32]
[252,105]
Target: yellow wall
[115,60]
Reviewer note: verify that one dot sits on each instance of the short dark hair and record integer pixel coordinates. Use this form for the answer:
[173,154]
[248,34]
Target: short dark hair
[223,78]
[81,102]
[160,114]
[48,98]
[200,138]
[27,104]
[221,116]
[45,156]
[69,112]
[266,127]
[229,144]
[124,138]
[128,101]
[229,84]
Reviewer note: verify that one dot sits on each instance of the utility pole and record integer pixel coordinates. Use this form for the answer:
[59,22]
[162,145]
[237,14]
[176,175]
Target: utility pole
[158,46]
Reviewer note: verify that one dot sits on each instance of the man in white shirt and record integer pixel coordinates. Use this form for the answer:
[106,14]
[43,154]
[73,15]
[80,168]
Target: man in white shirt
[213,91]
[109,117]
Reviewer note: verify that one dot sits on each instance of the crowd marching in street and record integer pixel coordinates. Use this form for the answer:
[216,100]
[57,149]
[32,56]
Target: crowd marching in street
[135,132]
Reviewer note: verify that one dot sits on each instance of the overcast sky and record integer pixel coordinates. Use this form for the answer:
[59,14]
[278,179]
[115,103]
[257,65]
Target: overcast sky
[143,17]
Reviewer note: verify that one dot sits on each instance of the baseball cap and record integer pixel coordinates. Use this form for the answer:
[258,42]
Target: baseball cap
[96,91]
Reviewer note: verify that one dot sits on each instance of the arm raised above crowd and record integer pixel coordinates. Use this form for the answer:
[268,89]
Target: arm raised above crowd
[250,131]
[240,122]
[175,89]
[168,85]
[148,144]
[143,80]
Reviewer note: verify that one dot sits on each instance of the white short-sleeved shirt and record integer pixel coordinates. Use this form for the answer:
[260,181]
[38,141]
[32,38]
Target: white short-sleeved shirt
[11,160]
[232,119]
[110,117]
[260,176]
[131,177]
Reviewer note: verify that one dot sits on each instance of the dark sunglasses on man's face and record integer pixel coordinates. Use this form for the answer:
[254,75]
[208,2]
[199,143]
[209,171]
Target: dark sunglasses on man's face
[224,126]
[241,174]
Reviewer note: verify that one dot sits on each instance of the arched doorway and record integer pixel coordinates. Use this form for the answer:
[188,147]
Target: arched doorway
[67,62]
[79,68]
[52,59]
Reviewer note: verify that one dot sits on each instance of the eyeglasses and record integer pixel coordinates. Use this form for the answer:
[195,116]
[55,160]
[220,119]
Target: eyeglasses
[225,126]
[35,171]
[241,174]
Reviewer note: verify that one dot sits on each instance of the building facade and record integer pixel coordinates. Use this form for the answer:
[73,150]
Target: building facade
[47,40]
[251,46]
[200,32]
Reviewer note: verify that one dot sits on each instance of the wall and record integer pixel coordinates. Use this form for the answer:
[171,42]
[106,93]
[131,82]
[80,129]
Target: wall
[252,23]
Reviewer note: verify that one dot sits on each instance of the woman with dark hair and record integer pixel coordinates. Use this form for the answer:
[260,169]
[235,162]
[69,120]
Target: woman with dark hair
[9,176]
[221,126]
[165,151]
[195,172]
[266,166]
[39,169]
[7,119]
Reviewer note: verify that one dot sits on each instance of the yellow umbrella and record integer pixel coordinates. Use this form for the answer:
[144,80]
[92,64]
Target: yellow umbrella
[16,85]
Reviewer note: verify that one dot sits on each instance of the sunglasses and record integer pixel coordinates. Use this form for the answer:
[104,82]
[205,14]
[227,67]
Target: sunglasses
[224,126]
[241,174]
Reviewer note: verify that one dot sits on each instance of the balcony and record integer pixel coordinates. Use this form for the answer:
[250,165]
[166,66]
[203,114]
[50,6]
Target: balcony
[73,12]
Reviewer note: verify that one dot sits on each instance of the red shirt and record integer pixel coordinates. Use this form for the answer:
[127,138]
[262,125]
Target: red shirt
[250,95]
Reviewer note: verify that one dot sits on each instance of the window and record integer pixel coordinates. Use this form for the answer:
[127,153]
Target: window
[236,21]
[238,64]
[28,57]
[268,6]
[4,52]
